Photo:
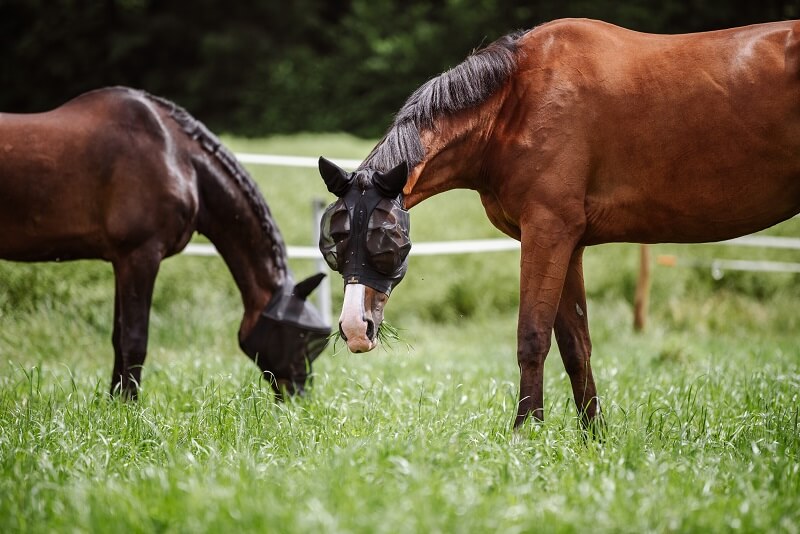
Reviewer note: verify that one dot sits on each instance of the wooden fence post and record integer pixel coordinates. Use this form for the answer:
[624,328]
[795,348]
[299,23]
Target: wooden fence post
[641,298]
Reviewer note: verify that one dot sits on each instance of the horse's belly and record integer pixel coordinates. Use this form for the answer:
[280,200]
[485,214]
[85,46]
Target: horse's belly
[693,213]
[40,220]
[27,243]
[702,179]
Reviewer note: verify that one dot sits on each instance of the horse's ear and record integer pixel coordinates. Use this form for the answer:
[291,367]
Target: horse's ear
[304,288]
[337,180]
[391,183]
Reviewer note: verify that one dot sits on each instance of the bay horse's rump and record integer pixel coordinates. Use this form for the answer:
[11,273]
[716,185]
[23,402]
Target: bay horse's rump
[679,138]
[74,184]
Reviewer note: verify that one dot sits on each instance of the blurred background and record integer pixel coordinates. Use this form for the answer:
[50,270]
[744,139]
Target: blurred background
[255,68]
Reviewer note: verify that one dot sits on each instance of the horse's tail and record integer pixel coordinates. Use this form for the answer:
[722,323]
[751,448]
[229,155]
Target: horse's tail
[211,144]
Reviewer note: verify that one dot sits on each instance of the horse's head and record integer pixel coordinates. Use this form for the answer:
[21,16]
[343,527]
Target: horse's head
[364,235]
[288,336]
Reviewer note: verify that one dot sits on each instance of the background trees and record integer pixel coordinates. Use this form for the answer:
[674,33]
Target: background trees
[255,67]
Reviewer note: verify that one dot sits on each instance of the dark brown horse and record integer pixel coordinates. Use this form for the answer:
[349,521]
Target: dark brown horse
[120,175]
[578,133]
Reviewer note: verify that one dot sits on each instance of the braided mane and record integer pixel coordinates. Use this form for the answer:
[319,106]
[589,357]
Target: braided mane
[211,144]
[464,86]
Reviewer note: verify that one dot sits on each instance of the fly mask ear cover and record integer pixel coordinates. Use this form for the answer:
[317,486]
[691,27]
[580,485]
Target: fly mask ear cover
[364,235]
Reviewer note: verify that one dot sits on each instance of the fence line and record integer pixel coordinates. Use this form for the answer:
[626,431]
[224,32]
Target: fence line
[765,241]
[291,161]
[294,252]
[428,248]
[468,245]
[718,266]
[501,244]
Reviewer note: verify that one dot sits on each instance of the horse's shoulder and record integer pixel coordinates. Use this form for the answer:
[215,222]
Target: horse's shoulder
[497,215]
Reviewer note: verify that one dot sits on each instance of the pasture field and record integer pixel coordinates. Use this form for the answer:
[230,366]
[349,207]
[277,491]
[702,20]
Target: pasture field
[703,409]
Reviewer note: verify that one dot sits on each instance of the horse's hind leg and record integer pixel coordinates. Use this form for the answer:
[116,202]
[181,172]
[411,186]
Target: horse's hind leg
[135,278]
[572,336]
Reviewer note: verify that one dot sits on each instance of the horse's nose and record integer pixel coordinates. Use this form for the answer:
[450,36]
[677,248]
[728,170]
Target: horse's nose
[282,387]
[286,387]
[355,323]
[359,336]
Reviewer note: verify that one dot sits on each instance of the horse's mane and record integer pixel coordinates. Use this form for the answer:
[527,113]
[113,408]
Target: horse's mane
[465,85]
[211,144]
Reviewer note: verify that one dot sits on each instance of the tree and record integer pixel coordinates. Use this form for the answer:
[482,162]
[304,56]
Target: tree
[255,68]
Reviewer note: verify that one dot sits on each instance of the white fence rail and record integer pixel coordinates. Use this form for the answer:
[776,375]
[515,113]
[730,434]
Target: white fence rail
[765,241]
[291,161]
[430,248]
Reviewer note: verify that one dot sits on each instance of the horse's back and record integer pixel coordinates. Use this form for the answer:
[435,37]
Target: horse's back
[690,137]
[98,175]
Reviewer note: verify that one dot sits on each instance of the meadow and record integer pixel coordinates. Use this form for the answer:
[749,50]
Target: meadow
[703,408]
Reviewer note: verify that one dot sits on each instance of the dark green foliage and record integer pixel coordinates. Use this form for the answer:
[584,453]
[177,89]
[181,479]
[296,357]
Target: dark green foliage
[309,65]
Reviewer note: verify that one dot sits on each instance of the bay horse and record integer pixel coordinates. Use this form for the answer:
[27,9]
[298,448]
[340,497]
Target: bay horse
[120,175]
[577,133]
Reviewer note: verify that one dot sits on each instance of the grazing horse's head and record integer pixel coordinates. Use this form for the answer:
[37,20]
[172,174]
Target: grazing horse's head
[288,336]
[364,235]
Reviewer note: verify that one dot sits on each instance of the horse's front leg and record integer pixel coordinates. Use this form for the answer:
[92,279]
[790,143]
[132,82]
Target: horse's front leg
[547,246]
[135,278]
[572,336]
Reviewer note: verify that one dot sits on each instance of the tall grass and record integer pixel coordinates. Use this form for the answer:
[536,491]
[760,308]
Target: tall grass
[702,409]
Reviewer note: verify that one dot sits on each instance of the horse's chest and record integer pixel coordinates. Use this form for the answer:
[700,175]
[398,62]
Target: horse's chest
[498,216]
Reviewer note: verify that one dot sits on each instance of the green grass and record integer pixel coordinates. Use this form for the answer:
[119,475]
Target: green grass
[703,408]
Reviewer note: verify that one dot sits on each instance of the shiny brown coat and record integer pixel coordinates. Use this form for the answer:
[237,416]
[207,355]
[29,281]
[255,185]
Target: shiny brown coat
[123,176]
[601,134]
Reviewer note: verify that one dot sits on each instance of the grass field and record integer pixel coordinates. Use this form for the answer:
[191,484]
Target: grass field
[703,408]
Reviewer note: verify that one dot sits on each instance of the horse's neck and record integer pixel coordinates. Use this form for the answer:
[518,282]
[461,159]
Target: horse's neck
[454,154]
[255,257]
[232,213]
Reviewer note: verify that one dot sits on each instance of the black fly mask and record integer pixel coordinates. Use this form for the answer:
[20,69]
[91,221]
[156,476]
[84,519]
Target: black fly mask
[364,235]
[288,336]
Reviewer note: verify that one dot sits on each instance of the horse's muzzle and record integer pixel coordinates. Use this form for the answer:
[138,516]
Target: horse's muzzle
[362,336]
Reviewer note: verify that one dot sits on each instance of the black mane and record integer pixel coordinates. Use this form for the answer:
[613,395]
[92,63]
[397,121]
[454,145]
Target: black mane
[211,144]
[464,86]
